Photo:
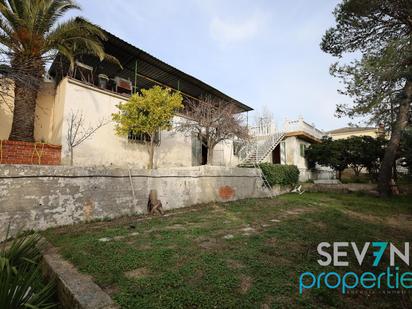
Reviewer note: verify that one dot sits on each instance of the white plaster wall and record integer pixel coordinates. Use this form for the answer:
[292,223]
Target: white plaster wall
[6,109]
[105,147]
[293,156]
[223,154]
[43,123]
[58,114]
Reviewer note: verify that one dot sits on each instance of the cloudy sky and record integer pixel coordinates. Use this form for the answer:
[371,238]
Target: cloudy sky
[261,52]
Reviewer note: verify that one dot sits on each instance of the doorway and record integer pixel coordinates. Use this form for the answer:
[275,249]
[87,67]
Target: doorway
[276,155]
[204,154]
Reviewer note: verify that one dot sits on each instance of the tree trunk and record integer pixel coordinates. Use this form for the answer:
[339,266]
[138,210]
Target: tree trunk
[71,156]
[151,152]
[26,88]
[209,155]
[395,171]
[385,175]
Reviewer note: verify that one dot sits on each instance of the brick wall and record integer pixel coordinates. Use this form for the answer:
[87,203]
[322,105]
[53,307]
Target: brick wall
[12,152]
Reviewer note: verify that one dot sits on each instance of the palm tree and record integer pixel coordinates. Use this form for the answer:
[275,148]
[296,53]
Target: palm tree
[31,35]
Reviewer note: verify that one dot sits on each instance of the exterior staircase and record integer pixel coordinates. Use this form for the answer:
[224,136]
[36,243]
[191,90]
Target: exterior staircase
[256,151]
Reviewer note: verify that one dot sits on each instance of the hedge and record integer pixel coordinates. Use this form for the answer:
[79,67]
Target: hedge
[278,174]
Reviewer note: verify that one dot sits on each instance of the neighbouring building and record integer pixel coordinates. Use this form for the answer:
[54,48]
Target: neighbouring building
[347,132]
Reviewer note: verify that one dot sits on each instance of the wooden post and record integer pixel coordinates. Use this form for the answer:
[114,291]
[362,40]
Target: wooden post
[135,77]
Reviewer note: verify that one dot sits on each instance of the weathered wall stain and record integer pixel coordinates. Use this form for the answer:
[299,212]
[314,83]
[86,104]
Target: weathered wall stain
[88,210]
[226,193]
[40,197]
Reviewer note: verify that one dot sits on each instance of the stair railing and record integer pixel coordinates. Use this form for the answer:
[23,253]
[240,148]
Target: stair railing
[259,150]
[246,151]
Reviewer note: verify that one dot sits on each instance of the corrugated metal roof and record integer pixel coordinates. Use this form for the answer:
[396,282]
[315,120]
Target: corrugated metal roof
[150,71]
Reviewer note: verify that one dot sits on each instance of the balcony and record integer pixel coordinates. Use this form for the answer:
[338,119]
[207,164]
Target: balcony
[290,128]
[296,126]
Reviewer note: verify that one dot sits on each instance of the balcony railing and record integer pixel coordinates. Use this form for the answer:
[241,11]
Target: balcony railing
[289,126]
[301,126]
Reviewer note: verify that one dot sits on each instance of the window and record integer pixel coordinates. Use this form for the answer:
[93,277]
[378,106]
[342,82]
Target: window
[143,138]
[302,150]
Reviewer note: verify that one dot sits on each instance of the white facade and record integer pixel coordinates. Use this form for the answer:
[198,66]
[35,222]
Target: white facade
[105,148]
[298,135]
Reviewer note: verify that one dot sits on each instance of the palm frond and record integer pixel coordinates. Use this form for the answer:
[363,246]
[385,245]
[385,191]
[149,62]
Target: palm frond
[77,36]
[20,276]
[18,7]
[72,28]
[13,20]
[53,11]
[30,28]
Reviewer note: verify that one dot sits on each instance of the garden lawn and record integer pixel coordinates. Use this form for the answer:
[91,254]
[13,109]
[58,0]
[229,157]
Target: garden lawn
[244,254]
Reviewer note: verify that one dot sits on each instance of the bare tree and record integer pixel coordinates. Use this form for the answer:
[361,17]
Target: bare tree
[264,121]
[213,121]
[77,132]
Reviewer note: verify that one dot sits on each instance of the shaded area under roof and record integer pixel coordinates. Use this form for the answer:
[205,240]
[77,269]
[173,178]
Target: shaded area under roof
[151,71]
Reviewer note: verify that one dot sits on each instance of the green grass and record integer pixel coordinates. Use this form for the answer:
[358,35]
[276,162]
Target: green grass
[184,261]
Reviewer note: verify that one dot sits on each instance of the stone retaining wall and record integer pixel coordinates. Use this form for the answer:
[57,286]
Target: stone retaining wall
[74,290]
[352,187]
[40,197]
[340,188]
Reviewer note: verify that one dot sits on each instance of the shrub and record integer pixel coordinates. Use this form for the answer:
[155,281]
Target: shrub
[278,174]
[21,281]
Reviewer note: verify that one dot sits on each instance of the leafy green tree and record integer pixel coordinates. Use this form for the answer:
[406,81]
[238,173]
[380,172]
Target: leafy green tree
[148,113]
[319,153]
[373,153]
[365,152]
[328,153]
[381,81]
[30,34]
[356,152]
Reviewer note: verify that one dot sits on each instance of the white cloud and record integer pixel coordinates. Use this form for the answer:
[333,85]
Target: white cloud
[228,31]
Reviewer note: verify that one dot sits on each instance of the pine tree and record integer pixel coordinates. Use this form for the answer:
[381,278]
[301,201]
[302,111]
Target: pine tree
[381,81]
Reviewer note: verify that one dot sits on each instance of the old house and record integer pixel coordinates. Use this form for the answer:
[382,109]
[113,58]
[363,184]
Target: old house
[94,88]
